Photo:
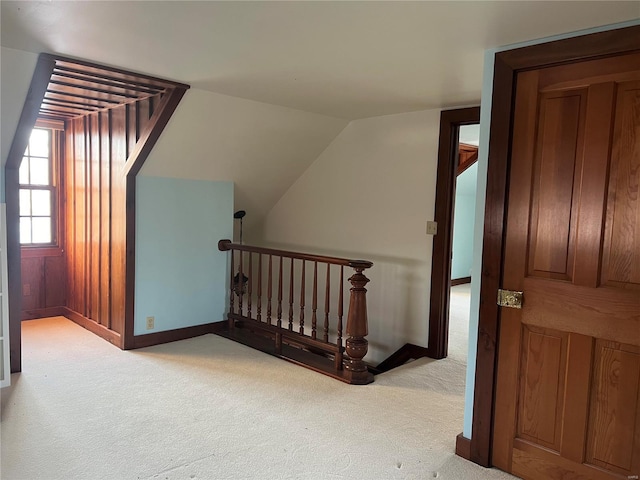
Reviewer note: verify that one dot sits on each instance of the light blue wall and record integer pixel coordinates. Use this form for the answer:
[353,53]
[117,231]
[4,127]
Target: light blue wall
[463,221]
[485,120]
[181,277]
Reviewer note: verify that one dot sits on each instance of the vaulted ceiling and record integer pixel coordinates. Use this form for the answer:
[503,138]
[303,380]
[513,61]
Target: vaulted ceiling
[343,59]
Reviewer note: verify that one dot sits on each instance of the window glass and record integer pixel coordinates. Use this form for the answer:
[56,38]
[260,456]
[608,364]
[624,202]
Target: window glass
[41,230]
[41,203]
[37,190]
[25,229]
[39,143]
[24,171]
[25,202]
[39,171]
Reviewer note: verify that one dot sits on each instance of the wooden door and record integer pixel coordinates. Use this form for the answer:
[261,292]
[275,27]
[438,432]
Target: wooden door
[568,381]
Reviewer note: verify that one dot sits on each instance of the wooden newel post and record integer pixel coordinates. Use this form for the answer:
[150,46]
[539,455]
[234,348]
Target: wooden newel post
[356,345]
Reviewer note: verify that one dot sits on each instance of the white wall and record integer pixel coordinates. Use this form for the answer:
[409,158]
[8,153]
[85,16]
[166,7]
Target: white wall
[262,148]
[16,70]
[369,196]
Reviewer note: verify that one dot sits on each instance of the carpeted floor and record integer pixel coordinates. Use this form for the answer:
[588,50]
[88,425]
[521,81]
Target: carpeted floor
[208,408]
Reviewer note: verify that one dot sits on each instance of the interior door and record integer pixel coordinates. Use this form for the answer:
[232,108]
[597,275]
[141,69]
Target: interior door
[568,381]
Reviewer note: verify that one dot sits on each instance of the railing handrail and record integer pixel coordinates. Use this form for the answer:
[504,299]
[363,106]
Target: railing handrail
[225,245]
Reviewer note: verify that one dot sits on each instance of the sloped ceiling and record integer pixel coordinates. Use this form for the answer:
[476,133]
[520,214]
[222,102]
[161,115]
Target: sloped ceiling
[343,59]
[262,148]
[327,62]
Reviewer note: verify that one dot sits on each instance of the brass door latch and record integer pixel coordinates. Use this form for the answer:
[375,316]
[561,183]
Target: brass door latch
[510,298]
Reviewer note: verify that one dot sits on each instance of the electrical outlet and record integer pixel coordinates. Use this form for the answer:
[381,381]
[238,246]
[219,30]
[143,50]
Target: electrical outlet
[432,228]
[150,322]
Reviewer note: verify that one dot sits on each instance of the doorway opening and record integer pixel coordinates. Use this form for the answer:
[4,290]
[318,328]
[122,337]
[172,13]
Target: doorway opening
[452,161]
[462,239]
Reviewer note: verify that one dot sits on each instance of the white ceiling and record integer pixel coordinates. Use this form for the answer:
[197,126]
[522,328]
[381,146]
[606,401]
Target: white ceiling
[343,59]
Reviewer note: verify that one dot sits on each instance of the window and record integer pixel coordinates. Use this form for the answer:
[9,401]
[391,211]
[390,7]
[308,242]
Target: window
[38,190]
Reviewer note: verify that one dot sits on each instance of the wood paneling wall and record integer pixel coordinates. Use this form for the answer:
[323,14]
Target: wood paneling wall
[98,146]
[43,285]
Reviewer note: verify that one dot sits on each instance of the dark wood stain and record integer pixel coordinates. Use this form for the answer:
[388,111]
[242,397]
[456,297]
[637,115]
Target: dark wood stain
[507,64]
[450,122]
[98,208]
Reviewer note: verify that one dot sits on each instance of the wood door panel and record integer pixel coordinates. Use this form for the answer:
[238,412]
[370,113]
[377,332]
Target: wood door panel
[535,463]
[568,383]
[621,68]
[595,167]
[621,262]
[557,161]
[615,408]
[605,313]
[542,374]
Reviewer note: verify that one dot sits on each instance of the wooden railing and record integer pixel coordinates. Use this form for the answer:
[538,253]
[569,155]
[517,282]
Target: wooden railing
[278,304]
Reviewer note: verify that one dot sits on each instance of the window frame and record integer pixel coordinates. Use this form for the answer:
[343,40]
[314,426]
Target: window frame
[56,154]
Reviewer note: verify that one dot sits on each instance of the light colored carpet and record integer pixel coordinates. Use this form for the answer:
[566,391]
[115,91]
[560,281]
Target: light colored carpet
[208,408]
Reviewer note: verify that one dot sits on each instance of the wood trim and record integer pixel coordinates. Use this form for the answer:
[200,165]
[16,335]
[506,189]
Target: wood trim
[460,281]
[109,335]
[450,121]
[471,157]
[570,50]
[157,338]
[127,73]
[42,73]
[45,68]
[401,356]
[226,245]
[507,65]
[43,313]
[138,156]
[31,252]
[298,356]
[463,447]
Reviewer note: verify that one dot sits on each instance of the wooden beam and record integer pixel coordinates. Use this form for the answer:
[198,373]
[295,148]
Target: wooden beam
[136,159]
[30,110]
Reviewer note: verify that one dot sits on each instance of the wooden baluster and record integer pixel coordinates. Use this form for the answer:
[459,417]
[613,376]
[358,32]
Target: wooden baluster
[231,299]
[240,286]
[279,324]
[314,306]
[327,294]
[302,300]
[259,316]
[291,297]
[269,291]
[249,286]
[357,326]
[338,359]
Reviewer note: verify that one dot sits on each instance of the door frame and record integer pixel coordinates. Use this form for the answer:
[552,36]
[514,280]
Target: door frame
[450,122]
[507,65]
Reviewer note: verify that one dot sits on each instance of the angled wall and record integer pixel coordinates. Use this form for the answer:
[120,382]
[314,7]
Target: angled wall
[369,195]
[262,148]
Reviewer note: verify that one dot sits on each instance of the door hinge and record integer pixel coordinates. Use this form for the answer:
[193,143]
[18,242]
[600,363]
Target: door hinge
[510,298]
